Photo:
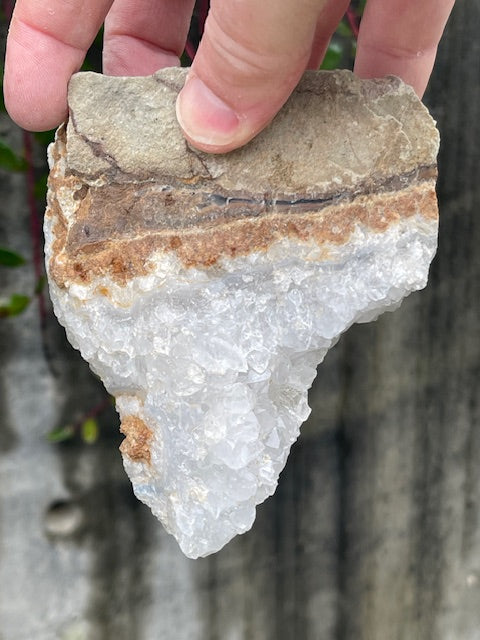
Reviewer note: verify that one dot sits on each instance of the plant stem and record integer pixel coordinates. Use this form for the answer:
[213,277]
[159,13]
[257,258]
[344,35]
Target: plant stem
[200,16]
[94,412]
[353,21]
[190,49]
[7,8]
[35,227]
[96,409]
[203,7]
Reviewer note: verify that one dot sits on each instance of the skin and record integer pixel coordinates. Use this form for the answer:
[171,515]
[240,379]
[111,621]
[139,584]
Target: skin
[251,56]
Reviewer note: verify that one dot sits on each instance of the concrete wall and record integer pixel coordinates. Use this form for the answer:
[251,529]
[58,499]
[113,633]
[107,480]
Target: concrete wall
[374,532]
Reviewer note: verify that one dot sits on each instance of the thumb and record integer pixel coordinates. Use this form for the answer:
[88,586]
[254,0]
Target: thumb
[250,59]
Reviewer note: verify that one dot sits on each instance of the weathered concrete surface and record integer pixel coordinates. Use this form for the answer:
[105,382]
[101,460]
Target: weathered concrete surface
[374,533]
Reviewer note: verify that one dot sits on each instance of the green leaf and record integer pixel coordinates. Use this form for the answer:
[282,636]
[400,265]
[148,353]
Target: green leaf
[344,30]
[10,258]
[45,137]
[61,434]
[2,103]
[99,38]
[92,61]
[89,431]
[87,66]
[185,60]
[9,159]
[333,56]
[40,285]
[14,305]
[40,189]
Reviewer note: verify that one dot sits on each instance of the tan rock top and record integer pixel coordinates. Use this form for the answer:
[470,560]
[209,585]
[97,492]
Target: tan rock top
[342,151]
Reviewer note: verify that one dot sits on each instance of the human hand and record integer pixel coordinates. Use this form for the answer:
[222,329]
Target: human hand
[250,58]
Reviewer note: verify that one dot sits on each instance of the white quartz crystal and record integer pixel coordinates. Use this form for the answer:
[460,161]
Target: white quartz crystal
[218,361]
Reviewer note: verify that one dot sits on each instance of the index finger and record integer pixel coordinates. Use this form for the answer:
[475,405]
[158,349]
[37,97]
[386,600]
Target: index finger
[47,42]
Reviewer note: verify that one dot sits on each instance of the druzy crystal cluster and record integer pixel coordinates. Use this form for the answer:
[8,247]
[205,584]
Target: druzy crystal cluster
[204,290]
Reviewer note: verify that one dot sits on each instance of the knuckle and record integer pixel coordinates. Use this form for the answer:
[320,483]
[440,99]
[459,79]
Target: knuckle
[245,55]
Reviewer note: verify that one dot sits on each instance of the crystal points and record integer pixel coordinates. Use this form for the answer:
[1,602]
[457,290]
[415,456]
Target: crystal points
[204,290]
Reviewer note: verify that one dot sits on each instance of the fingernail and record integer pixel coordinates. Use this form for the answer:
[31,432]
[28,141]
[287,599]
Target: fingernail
[204,117]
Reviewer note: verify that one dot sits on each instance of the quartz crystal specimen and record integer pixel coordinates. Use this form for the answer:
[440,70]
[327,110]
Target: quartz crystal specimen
[204,290]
